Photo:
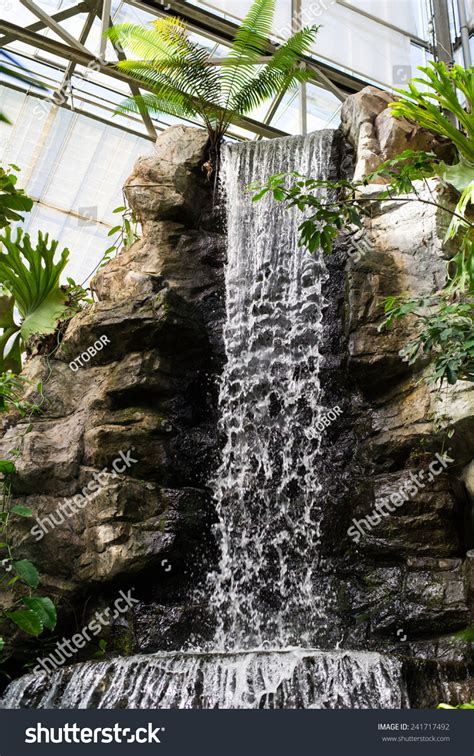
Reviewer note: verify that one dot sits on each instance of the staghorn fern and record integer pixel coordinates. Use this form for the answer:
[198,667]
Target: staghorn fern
[184,81]
[29,280]
[425,108]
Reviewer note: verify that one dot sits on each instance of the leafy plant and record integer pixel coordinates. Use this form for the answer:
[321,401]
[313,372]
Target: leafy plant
[13,201]
[101,649]
[459,706]
[446,333]
[125,233]
[12,389]
[30,612]
[329,214]
[30,280]
[430,107]
[184,80]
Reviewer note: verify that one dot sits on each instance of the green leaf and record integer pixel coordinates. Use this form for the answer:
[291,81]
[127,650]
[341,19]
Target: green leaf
[2,644]
[460,175]
[27,620]
[32,278]
[27,572]
[22,511]
[44,608]
[12,200]
[7,467]
[44,318]
[114,230]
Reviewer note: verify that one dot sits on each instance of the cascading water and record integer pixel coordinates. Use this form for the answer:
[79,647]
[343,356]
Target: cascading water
[267,490]
[268,599]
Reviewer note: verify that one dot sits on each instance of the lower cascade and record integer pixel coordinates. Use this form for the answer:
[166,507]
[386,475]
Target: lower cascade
[269,597]
[293,678]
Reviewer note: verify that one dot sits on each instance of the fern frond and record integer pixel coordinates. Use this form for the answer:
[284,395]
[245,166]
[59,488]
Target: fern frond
[426,107]
[249,44]
[145,43]
[279,74]
[157,104]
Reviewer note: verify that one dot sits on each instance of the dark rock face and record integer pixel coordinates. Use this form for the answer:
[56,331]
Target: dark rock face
[405,570]
[404,583]
[146,397]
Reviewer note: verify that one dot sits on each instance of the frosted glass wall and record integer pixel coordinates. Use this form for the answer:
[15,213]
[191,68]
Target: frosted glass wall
[74,168]
[367,47]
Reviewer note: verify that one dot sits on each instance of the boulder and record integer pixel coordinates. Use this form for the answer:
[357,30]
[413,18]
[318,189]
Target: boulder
[376,136]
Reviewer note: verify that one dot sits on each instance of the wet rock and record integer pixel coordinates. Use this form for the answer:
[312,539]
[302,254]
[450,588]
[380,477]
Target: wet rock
[404,517]
[146,396]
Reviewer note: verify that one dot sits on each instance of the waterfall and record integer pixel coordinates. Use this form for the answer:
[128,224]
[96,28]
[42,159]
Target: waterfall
[268,596]
[267,491]
[288,679]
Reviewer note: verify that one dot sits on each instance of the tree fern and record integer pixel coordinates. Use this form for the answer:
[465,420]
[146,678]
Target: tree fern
[282,71]
[182,79]
[250,43]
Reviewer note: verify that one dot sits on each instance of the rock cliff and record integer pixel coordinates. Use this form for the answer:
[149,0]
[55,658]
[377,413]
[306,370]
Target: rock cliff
[406,586]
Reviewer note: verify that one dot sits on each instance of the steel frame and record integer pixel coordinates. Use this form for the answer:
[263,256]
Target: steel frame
[214,27]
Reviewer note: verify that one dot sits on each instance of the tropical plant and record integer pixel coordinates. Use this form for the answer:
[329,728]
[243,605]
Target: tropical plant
[185,80]
[430,107]
[124,234]
[29,611]
[438,107]
[13,201]
[29,278]
[445,318]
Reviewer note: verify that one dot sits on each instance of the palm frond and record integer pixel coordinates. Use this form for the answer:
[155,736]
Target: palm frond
[172,67]
[145,43]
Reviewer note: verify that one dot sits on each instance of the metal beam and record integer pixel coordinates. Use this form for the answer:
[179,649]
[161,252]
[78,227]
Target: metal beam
[466,47]
[87,59]
[134,88]
[106,23]
[222,30]
[60,16]
[52,24]
[296,25]
[444,46]
[83,36]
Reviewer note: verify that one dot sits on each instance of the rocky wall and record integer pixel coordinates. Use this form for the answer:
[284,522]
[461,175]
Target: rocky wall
[144,404]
